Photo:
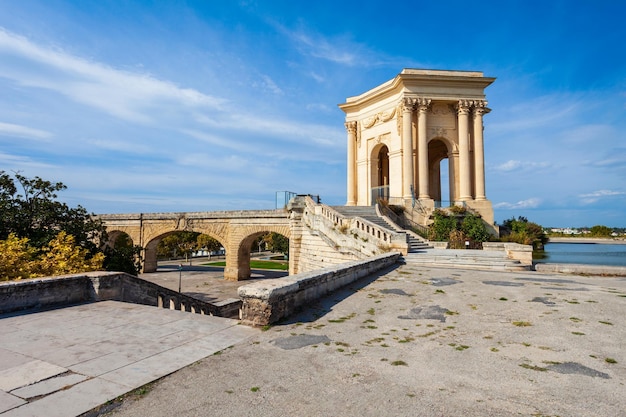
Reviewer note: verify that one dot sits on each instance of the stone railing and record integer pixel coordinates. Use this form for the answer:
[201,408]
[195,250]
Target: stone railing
[51,292]
[267,302]
[380,239]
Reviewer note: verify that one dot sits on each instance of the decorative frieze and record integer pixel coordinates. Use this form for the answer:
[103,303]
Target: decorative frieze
[378,118]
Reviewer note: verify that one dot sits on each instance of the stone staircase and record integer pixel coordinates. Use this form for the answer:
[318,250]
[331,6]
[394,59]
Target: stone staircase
[368,213]
[465,259]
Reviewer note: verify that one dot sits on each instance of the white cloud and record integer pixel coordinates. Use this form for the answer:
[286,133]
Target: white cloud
[523,204]
[13,130]
[595,196]
[514,165]
[127,95]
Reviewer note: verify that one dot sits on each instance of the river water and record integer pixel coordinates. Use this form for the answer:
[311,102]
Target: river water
[584,253]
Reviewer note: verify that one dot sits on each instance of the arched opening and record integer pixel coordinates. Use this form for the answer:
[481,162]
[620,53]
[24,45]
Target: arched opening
[122,255]
[380,174]
[263,255]
[440,173]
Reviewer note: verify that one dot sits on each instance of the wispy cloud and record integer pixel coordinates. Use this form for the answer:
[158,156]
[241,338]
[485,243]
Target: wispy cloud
[515,165]
[127,95]
[596,196]
[18,131]
[523,204]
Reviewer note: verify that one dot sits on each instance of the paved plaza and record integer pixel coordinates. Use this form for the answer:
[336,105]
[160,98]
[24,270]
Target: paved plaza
[65,362]
[408,341]
[418,341]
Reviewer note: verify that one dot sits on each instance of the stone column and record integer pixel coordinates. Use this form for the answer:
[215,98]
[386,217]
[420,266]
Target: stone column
[479,153]
[408,104]
[422,148]
[464,157]
[351,128]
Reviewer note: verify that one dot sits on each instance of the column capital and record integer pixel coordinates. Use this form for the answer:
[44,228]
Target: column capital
[351,127]
[422,104]
[408,104]
[480,107]
[463,106]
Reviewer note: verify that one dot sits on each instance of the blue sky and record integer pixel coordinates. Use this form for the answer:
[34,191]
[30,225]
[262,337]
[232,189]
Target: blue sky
[216,105]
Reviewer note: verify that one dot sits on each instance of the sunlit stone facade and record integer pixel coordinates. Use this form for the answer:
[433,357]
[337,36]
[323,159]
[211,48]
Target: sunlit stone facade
[400,132]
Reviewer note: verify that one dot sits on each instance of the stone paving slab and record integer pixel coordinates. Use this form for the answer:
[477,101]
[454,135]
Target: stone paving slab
[27,373]
[68,361]
[48,386]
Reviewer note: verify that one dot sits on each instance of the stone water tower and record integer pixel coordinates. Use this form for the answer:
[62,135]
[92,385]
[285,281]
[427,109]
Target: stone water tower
[401,134]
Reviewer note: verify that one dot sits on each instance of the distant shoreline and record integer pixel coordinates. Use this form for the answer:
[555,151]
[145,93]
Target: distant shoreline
[606,241]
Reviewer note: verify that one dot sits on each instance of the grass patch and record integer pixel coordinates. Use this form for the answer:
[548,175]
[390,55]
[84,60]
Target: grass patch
[406,340]
[255,389]
[266,328]
[606,322]
[503,299]
[494,349]
[440,292]
[342,319]
[399,363]
[575,319]
[371,311]
[522,323]
[578,333]
[462,347]
[533,367]
[610,360]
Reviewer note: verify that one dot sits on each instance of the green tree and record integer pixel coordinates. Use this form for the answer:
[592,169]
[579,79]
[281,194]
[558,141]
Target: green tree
[474,228]
[124,256]
[522,231]
[35,213]
[277,243]
[207,243]
[30,210]
[442,226]
[600,231]
[178,243]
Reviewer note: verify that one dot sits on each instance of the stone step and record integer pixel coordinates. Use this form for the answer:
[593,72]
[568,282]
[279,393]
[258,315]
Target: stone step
[459,258]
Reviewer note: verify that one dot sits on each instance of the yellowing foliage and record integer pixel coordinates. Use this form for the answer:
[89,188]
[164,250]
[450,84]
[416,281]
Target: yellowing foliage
[61,256]
[16,258]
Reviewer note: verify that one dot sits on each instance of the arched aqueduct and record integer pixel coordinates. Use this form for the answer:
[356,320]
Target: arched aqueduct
[318,235]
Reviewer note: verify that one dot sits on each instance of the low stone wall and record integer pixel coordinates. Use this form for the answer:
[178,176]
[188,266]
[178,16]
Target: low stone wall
[602,270]
[267,302]
[522,253]
[60,291]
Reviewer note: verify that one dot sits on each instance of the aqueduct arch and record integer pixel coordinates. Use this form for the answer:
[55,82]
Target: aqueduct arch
[416,115]
[234,230]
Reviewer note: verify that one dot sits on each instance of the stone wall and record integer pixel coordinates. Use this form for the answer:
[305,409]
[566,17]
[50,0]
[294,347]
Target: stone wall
[522,253]
[60,291]
[267,302]
[601,270]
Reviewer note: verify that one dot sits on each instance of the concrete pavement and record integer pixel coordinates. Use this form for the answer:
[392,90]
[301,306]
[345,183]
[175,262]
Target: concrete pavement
[65,362]
[420,341]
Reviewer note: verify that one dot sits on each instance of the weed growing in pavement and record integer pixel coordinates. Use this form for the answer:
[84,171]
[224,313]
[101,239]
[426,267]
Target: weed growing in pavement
[503,299]
[610,360]
[255,389]
[575,319]
[342,319]
[606,322]
[578,333]
[399,363]
[521,323]
[533,367]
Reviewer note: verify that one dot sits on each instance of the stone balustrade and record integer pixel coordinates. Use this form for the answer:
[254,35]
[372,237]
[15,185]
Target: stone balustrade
[51,292]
